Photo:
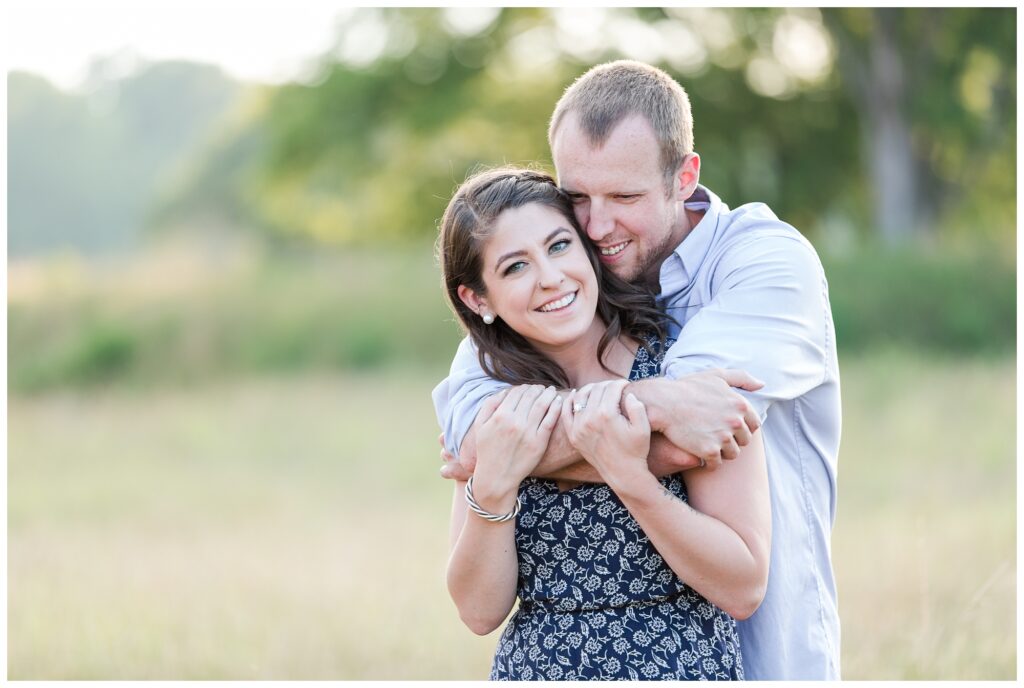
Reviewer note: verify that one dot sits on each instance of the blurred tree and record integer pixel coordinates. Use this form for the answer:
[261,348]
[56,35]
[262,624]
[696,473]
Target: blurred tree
[848,123]
[935,94]
[373,151]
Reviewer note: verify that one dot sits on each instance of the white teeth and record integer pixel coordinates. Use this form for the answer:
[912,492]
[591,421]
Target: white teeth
[612,250]
[560,303]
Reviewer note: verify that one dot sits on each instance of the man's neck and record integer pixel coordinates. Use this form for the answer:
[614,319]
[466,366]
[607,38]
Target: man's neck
[652,278]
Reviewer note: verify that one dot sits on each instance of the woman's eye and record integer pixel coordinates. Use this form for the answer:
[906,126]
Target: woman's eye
[514,267]
[559,246]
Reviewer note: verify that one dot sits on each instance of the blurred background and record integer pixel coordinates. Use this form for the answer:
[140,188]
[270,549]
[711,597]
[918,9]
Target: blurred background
[225,315]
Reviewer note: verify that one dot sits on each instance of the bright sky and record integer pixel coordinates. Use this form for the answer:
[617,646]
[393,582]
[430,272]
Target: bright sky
[264,41]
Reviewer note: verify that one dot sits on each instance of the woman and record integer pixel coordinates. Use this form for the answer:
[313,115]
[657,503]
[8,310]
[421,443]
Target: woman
[599,569]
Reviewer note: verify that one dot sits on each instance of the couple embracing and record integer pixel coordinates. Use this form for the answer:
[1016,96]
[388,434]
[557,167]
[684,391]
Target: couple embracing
[645,411]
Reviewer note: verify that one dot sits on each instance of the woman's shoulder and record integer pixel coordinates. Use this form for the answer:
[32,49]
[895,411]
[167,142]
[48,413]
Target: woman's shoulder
[649,356]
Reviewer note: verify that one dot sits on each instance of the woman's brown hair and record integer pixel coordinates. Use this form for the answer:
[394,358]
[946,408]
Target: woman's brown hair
[465,227]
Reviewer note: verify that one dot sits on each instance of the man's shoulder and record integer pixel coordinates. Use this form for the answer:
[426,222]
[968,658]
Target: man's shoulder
[756,222]
[753,232]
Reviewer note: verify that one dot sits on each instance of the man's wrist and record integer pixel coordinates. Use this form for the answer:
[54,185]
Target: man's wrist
[652,393]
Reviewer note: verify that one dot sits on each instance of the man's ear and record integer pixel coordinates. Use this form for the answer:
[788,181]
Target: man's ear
[471,299]
[688,177]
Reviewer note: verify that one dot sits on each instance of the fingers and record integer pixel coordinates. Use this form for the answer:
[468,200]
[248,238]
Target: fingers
[751,418]
[515,395]
[488,408]
[455,471]
[536,413]
[730,450]
[527,401]
[738,378]
[636,413]
[712,462]
[742,434]
[581,398]
[599,395]
[440,439]
[565,416]
[554,410]
[611,397]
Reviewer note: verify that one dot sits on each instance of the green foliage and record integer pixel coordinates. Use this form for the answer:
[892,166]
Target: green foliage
[367,309]
[372,154]
[956,98]
[923,300]
[286,313]
[100,352]
[368,151]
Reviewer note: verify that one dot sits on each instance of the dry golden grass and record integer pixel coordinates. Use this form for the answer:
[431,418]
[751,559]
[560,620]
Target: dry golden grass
[296,529]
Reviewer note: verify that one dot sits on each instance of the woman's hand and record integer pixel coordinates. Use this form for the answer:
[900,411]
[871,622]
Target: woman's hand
[513,432]
[616,444]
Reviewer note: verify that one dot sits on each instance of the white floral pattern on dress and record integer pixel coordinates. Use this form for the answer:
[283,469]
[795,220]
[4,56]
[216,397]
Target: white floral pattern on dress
[597,601]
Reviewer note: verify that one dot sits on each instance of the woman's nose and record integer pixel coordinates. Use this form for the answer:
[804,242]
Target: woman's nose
[550,275]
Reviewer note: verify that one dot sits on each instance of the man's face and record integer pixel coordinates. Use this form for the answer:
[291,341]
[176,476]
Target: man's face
[620,197]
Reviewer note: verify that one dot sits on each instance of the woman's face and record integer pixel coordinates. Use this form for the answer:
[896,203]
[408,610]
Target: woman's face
[538,277]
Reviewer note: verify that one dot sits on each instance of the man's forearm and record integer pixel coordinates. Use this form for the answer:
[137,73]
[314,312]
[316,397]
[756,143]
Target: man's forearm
[581,472]
[701,413]
[561,461]
[664,459]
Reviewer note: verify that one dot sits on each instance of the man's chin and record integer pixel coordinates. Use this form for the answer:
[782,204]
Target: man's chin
[629,273]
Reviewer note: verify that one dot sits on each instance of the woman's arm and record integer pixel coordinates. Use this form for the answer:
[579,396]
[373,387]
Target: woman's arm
[719,543]
[483,566]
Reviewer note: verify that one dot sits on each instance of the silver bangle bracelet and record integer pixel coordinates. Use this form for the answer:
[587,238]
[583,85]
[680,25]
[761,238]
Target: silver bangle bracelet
[482,513]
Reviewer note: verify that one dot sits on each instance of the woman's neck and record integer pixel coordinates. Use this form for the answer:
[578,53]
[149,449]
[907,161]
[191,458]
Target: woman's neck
[579,358]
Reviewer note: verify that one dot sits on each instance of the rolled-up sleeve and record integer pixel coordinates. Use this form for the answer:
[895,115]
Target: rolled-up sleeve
[458,397]
[768,314]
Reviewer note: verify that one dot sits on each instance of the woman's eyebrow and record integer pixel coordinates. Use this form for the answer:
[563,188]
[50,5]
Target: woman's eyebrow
[516,254]
[554,234]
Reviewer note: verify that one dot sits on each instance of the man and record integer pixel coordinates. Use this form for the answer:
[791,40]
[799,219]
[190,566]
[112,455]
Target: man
[748,292]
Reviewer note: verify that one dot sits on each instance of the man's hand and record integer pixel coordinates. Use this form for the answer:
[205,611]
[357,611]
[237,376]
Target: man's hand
[462,468]
[452,468]
[701,413]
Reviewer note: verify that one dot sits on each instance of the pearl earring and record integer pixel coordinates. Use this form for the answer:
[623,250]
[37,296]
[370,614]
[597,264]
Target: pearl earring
[488,318]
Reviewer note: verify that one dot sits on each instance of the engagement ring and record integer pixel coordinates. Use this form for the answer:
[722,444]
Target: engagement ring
[577,407]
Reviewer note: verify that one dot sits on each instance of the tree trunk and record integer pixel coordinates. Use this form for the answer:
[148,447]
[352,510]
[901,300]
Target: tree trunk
[890,155]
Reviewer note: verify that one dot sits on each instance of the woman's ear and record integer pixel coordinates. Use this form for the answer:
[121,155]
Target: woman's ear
[470,298]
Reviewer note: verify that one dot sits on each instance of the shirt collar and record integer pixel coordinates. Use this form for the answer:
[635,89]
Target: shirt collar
[691,251]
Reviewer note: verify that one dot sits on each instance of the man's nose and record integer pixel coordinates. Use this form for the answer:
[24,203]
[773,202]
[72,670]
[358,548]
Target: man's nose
[601,223]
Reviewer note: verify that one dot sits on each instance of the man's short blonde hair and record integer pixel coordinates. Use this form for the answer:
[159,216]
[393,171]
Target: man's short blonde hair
[609,93]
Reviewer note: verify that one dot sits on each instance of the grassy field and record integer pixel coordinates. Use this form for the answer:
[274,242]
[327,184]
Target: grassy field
[294,528]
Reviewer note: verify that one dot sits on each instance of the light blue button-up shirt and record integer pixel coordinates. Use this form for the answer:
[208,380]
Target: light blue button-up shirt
[749,292]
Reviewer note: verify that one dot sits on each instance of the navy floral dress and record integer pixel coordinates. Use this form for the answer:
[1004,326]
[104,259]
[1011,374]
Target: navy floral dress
[597,601]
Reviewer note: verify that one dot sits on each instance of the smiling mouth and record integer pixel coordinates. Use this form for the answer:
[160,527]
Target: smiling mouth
[558,304]
[614,249]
